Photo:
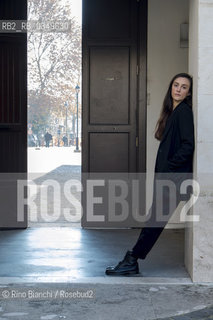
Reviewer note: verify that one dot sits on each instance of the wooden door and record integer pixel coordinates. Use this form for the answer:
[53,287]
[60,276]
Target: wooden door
[13,114]
[111,106]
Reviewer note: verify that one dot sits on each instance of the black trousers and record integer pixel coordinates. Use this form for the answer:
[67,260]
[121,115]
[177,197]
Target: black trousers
[166,198]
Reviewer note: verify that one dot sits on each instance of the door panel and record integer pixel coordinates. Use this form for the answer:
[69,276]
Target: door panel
[13,114]
[11,79]
[13,10]
[13,103]
[108,19]
[101,160]
[109,85]
[111,30]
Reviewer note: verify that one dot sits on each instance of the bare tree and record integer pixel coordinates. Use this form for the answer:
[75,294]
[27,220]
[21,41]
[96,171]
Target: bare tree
[54,61]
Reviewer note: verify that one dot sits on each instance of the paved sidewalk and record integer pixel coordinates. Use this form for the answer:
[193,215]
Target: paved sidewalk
[203,314]
[106,301]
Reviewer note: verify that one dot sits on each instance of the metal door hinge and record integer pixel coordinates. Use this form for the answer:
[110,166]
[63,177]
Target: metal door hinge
[137,70]
[136,142]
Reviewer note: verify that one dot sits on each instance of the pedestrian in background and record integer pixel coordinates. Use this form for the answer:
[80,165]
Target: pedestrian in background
[48,138]
[65,141]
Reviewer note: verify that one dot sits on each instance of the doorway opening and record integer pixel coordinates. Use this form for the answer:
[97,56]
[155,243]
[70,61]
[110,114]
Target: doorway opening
[113,76]
[54,109]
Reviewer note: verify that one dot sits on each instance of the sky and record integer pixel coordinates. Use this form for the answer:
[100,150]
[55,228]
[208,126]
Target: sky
[76,6]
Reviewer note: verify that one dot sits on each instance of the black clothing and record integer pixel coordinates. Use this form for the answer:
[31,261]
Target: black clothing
[175,152]
[174,164]
[65,140]
[127,266]
[47,138]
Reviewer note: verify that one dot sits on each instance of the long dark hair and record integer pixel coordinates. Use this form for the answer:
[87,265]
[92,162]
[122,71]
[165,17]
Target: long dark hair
[167,107]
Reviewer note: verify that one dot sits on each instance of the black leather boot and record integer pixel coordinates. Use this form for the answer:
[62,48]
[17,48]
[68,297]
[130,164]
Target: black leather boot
[128,265]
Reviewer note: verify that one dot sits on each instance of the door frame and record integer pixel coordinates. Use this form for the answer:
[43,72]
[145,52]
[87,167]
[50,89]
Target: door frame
[142,86]
[141,101]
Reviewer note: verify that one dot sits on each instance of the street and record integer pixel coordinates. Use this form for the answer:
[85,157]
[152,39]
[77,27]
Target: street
[43,160]
[49,169]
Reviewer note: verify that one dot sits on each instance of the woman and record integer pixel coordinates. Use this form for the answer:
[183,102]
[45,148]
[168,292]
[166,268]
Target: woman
[175,130]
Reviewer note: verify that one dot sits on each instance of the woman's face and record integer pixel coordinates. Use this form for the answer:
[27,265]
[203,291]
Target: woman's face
[180,90]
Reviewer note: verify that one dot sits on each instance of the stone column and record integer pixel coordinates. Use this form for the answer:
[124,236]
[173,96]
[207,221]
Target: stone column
[199,235]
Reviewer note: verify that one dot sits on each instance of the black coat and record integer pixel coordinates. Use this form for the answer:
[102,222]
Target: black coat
[175,152]
[174,163]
